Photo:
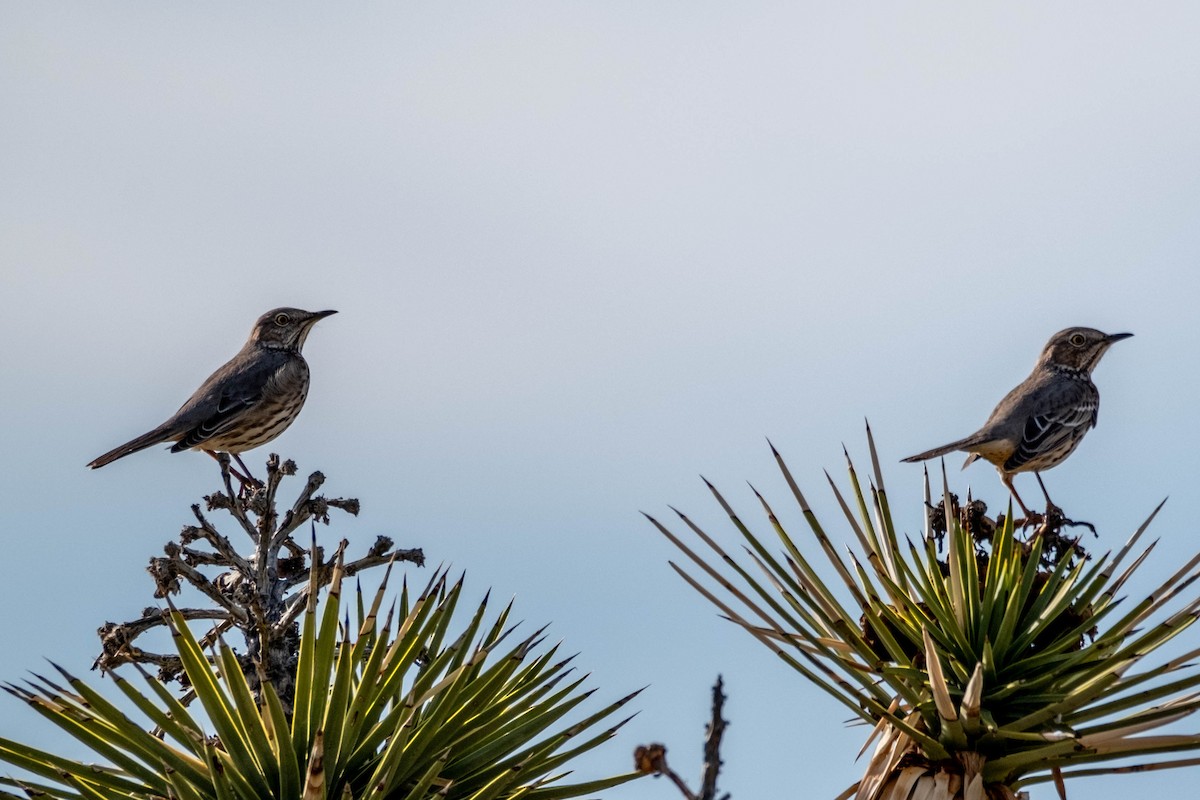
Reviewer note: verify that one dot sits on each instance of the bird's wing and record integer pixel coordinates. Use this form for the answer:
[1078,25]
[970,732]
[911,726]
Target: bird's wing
[225,397]
[1060,420]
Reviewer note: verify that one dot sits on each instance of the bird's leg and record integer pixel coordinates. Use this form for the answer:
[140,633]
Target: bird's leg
[242,479]
[1030,517]
[1045,494]
[245,469]
[1055,513]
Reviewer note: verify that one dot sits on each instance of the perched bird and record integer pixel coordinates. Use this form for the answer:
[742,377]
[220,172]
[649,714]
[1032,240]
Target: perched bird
[247,402]
[1041,422]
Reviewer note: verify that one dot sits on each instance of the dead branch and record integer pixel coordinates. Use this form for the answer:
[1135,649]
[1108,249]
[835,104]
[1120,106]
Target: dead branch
[652,758]
[252,592]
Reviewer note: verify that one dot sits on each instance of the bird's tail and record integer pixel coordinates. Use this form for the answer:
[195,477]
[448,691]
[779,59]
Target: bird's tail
[150,439]
[961,444]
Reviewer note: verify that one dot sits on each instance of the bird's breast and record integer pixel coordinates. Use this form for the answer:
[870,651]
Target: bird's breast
[282,398]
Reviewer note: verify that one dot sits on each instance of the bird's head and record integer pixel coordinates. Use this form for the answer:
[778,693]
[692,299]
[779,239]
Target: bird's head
[1079,348]
[285,328]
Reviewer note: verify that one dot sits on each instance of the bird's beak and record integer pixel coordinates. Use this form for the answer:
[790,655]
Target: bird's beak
[323,314]
[309,324]
[316,317]
[1116,337]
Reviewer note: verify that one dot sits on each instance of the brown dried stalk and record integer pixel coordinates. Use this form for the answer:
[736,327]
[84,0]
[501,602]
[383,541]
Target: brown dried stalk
[251,591]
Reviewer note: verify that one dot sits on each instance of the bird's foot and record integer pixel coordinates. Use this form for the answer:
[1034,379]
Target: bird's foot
[247,485]
[1030,519]
[1071,523]
[1053,521]
[246,482]
[1056,544]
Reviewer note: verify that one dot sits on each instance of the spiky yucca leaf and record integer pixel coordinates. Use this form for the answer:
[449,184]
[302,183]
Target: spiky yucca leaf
[980,672]
[392,712]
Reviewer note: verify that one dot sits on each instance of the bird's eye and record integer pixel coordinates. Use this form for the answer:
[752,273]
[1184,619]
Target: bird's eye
[282,319]
[1077,339]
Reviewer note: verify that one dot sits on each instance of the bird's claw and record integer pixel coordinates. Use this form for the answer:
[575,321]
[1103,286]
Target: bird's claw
[247,485]
[1070,523]
[1030,519]
[1053,521]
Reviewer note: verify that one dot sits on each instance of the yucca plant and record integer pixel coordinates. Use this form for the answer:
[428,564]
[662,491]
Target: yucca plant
[405,711]
[994,667]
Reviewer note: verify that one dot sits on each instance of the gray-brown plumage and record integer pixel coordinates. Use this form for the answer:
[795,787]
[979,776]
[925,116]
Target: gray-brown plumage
[247,402]
[1041,422]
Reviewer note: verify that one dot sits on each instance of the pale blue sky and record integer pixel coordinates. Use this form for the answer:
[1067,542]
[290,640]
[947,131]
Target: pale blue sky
[582,253]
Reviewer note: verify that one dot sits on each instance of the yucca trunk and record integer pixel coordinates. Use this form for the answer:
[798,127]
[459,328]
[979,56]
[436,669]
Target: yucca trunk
[958,778]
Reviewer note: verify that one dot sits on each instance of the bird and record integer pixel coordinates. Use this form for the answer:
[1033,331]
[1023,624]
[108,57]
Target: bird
[246,403]
[1040,422]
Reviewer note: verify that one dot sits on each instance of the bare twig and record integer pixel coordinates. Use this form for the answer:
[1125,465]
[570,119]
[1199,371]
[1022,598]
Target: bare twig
[415,555]
[652,759]
[210,534]
[116,640]
[301,510]
[712,744]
